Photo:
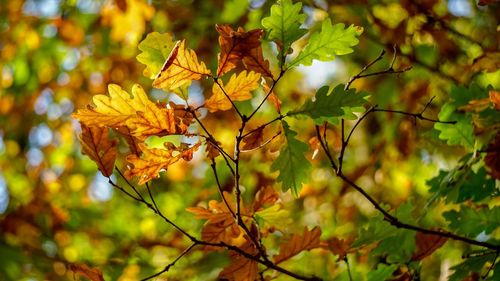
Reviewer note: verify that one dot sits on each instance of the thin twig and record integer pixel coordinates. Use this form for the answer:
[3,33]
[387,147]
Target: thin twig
[348,268]
[267,95]
[167,268]
[219,187]
[263,144]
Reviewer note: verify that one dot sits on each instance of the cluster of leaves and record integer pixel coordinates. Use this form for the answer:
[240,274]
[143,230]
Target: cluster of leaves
[229,224]
[244,142]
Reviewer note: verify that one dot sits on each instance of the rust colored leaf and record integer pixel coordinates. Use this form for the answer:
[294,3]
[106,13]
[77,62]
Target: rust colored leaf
[339,247]
[155,160]
[241,268]
[94,274]
[265,196]
[235,45]
[298,243]
[273,98]
[181,67]
[492,159]
[212,151]
[132,142]
[254,61]
[495,98]
[99,147]
[253,140]
[238,88]
[426,245]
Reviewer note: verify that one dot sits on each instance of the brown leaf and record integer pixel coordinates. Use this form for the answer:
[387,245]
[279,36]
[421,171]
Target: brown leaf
[489,62]
[241,268]
[265,196]
[253,140]
[133,142]
[235,45]
[99,147]
[212,150]
[298,243]
[182,66]
[492,159]
[426,245]
[155,160]
[94,274]
[487,2]
[273,98]
[254,60]
[339,247]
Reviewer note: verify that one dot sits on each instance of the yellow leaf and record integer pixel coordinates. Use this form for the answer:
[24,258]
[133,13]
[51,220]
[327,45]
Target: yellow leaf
[99,147]
[154,160]
[298,243]
[238,88]
[114,110]
[182,66]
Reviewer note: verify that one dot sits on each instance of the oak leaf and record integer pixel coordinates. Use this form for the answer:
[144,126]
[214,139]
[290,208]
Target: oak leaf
[255,61]
[155,160]
[238,88]
[339,247]
[132,142]
[94,274]
[265,196]
[253,140]
[114,110]
[298,243]
[241,268]
[427,244]
[181,67]
[99,147]
[235,45]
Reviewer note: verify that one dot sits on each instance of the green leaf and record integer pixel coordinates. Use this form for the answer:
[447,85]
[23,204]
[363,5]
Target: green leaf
[274,216]
[293,167]
[461,133]
[472,222]
[332,40]
[155,50]
[283,25]
[461,95]
[472,264]
[382,273]
[377,230]
[397,248]
[337,103]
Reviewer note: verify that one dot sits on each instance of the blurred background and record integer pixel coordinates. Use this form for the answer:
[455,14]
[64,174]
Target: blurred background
[55,207]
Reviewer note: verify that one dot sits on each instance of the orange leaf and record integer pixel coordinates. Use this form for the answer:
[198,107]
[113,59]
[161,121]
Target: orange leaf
[154,160]
[238,88]
[99,147]
[254,60]
[495,98]
[235,45]
[339,247]
[426,245]
[273,98]
[181,67]
[241,268]
[212,151]
[265,196]
[298,243]
[94,274]
[253,140]
[492,159]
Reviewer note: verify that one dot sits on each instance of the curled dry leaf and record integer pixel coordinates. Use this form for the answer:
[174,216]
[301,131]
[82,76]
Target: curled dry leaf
[298,243]
[154,160]
[235,45]
[212,150]
[181,67]
[426,245]
[238,88]
[253,140]
[99,147]
[94,274]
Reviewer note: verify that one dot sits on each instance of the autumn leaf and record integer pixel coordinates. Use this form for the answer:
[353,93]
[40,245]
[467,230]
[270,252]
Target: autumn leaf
[181,67]
[132,142]
[492,159]
[265,196]
[253,140]
[99,147]
[339,247]
[238,88]
[298,243]
[154,160]
[426,245]
[495,98]
[94,274]
[255,61]
[241,268]
[212,150]
[235,45]
[114,110]
[155,49]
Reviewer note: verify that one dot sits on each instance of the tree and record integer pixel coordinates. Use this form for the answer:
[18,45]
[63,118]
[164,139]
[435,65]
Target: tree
[234,160]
